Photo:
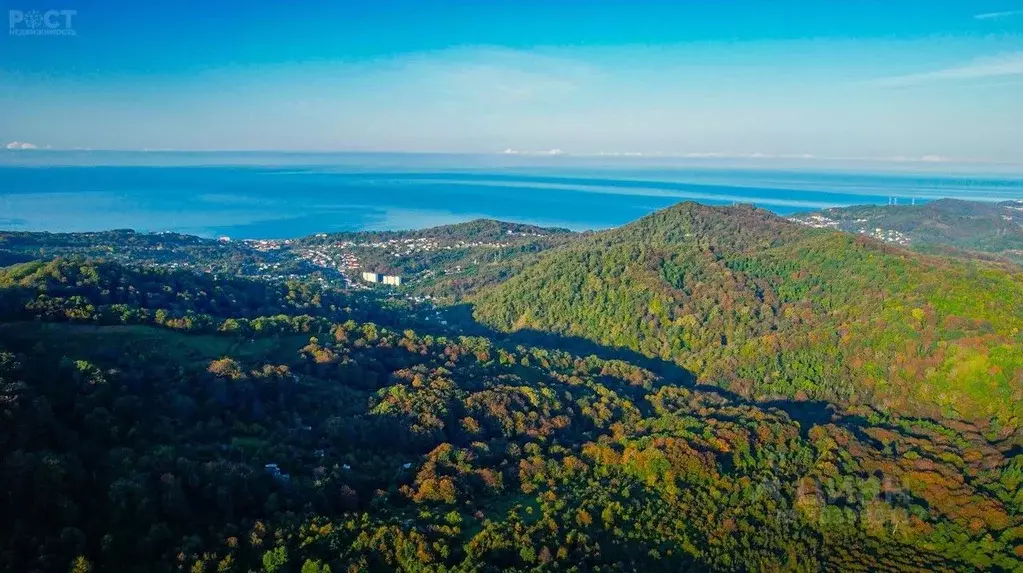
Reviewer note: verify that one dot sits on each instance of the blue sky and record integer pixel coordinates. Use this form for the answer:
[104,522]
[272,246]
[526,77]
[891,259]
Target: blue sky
[932,81]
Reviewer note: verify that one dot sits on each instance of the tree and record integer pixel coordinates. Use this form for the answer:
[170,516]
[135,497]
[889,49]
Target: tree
[275,560]
[315,566]
[81,565]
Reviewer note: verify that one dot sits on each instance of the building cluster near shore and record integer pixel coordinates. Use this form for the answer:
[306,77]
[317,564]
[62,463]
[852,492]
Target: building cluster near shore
[888,236]
[264,245]
[412,246]
[821,221]
[339,259]
[817,221]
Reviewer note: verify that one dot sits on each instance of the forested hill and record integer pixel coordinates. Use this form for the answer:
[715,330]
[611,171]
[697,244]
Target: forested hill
[477,229]
[970,226]
[160,420]
[769,308]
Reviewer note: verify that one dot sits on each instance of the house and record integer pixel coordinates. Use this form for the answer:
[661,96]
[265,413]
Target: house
[392,280]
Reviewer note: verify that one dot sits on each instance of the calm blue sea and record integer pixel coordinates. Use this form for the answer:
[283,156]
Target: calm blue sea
[258,198]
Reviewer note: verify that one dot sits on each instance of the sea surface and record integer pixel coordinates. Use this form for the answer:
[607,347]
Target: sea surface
[262,197]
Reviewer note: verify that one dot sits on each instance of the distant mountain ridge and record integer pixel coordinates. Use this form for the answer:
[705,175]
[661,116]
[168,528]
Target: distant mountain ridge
[972,226]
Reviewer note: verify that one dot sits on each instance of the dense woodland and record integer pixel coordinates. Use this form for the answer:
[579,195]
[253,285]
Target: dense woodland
[770,309]
[850,407]
[148,249]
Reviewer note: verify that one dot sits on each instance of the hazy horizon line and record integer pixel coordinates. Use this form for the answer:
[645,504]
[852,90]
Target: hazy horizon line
[551,153]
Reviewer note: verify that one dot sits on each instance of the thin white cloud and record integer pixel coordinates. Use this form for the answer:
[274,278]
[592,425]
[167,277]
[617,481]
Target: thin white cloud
[922,159]
[996,67]
[931,158]
[998,15]
[487,76]
[21,145]
[554,151]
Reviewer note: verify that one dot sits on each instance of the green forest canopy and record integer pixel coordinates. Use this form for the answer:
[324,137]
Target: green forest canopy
[168,420]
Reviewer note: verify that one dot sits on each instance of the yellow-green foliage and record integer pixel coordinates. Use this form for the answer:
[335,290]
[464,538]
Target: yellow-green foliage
[746,300]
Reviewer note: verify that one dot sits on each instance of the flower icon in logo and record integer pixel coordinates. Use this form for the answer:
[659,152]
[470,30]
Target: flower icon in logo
[34,19]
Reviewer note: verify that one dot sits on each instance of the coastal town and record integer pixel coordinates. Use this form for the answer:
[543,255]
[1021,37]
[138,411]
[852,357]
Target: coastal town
[409,268]
[344,259]
[992,227]
[861,226]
